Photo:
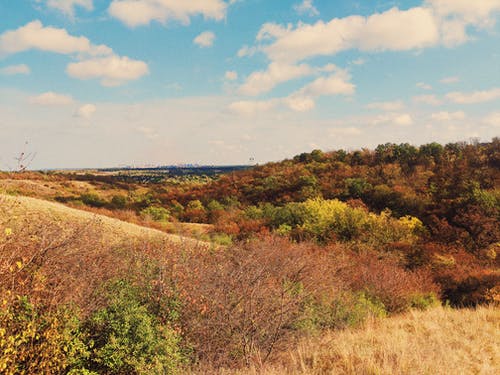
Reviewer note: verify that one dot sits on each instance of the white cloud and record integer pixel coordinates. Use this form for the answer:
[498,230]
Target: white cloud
[338,83]
[436,22]
[474,97]
[448,116]
[399,119]
[141,12]
[392,30]
[299,103]
[68,6]
[112,70]
[428,99]
[205,39]
[35,36]
[403,120]
[51,99]
[15,69]
[86,111]
[252,107]
[231,75]
[276,73]
[306,7]
[247,51]
[470,11]
[387,106]
[302,100]
[424,86]
[493,119]
[450,80]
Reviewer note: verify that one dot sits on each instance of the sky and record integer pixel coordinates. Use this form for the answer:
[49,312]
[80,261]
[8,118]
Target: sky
[102,83]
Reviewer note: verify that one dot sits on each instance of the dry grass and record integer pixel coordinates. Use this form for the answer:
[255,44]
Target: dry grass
[115,230]
[437,341]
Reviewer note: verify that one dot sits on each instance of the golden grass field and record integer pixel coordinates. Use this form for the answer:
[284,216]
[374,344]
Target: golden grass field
[114,230]
[437,341]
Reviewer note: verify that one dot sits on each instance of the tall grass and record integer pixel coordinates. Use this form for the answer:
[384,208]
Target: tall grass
[436,341]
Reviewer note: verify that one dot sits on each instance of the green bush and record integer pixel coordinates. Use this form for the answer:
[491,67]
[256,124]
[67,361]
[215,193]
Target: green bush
[324,220]
[35,341]
[92,200]
[119,202]
[423,301]
[156,213]
[126,338]
[345,310]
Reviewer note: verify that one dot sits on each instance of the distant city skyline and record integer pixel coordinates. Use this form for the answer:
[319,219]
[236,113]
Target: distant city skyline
[92,83]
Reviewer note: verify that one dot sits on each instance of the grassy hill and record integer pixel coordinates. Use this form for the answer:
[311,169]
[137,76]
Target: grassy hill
[114,231]
[436,341]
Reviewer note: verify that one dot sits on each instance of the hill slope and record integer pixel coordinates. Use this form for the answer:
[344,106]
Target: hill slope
[114,230]
[437,341]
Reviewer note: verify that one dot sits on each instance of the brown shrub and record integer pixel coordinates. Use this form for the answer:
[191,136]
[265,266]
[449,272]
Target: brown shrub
[241,303]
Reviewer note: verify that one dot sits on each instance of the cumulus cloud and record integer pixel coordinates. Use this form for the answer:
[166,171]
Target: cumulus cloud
[68,6]
[205,39]
[448,116]
[97,61]
[338,83]
[477,11]
[474,97]
[51,99]
[306,7]
[387,106]
[86,111]
[112,70]
[435,22]
[276,73]
[45,38]
[302,100]
[141,12]
[15,69]
[394,30]
[231,75]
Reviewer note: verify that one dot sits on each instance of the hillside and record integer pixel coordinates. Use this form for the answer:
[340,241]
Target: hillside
[114,231]
[332,263]
[438,341]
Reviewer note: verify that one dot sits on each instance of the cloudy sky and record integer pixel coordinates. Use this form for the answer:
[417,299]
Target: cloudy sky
[95,83]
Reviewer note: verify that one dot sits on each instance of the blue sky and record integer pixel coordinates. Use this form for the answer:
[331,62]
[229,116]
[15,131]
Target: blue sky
[95,83]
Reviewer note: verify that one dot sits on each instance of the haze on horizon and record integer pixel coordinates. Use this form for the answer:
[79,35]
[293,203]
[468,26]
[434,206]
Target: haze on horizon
[118,82]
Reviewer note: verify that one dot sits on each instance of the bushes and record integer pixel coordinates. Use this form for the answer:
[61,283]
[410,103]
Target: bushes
[126,338]
[93,200]
[326,220]
[33,340]
[347,309]
[156,213]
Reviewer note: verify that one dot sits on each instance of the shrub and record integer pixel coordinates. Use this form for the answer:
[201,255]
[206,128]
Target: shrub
[347,309]
[156,213]
[325,220]
[126,338]
[118,202]
[92,200]
[36,341]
